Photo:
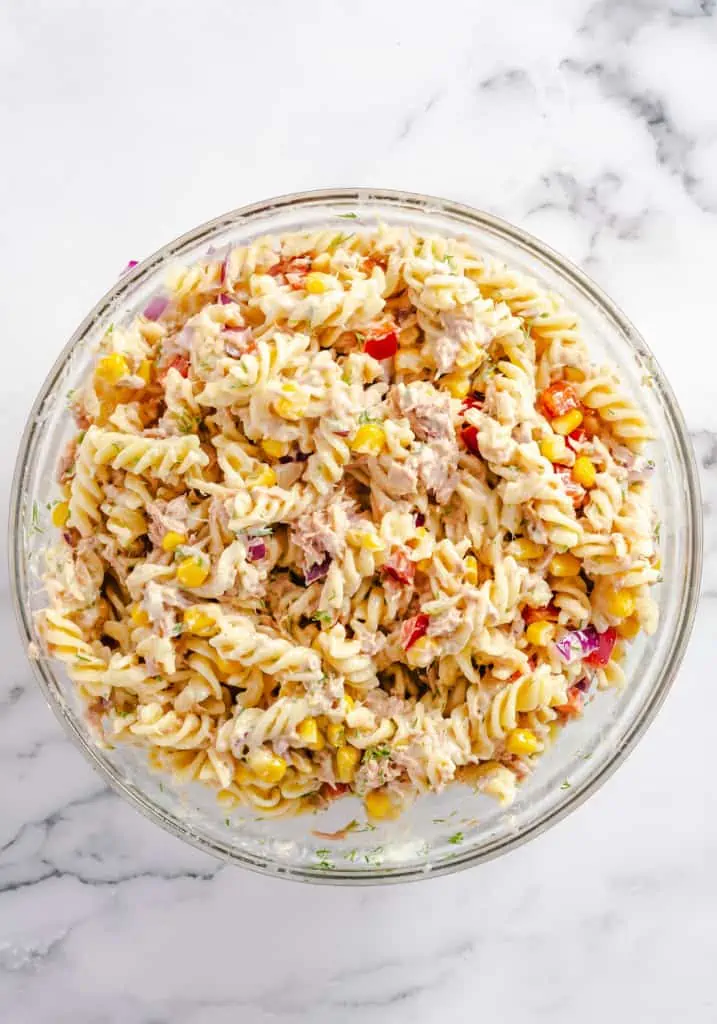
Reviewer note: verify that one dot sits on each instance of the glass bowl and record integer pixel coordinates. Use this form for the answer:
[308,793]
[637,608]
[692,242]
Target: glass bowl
[441,832]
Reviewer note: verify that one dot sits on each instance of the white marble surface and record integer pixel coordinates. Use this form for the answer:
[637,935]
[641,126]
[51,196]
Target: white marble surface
[593,125]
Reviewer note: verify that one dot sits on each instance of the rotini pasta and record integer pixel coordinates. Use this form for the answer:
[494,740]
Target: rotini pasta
[349,511]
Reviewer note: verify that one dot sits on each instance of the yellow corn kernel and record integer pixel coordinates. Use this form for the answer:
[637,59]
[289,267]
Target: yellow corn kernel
[471,569]
[366,540]
[60,513]
[112,368]
[267,766]
[172,540]
[540,633]
[522,741]
[424,564]
[192,572]
[317,283]
[264,477]
[378,804]
[309,734]
[144,370]
[564,565]
[554,448]
[457,384]
[657,564]
[347,761]
[276,449]
[369,439]
[566,424]
[199,623]
[291,405]
[584,471]
[138,615]
[629,628]
[335,733]
[422,653]
[526,549]
[573,374]
[621,604]
[321,262]
[348,703]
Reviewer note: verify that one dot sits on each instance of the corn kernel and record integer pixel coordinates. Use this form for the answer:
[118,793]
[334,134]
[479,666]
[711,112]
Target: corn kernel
[366,540]
[621,604]
[564,565]
[60,513]
[317,283]
[335,733]
[471,569]
[424,564]
[199,623]
[191,572]
[264,477]
[629,628]
[138,615]
[348,703]
[457,384]
[112,368]
[554,448]
[526,549]
[369,439]
[522,741]
[347,761]
[540,633]
[308,732]
[276,449]
[422,652]
[584,471]
[378,804]
[291,405]
[267,766]
[566,424]
[172,540]
[144,370]
[573,374]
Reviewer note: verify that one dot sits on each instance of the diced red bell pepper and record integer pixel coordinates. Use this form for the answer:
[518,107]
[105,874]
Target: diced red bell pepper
[399,567]
[180,364]
[383,346]
[606,643]
[558,399]
[413,629]
[472,401]
[548,613]
[469,436]
[573,489]
[294,270]
[573,707]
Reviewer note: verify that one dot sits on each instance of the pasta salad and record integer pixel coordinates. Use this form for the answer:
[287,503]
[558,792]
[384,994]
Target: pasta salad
[348,512]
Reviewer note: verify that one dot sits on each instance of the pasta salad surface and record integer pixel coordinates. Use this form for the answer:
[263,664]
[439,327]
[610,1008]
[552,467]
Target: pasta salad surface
[348,512]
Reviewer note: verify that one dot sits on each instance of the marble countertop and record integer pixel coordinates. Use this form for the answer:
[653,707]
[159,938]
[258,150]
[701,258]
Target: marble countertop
[593,125]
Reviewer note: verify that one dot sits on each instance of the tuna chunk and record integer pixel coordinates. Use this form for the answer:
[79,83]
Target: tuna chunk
[321,533]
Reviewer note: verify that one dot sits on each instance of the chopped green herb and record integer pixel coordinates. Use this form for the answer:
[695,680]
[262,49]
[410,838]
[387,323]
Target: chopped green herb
[70,397]
[161,787]
[337,240]
[351,855]
[566,785]
[456,838]
[366,417]
[84,658]
[227,822]
[656,532]
[176,629]
[35,520]
[377,753]
[322,617]
[110,329]
[348,216]
[360,338]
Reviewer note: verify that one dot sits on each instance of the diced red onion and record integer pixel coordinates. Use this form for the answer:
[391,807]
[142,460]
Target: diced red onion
[419,519]
[155,307]
[578,643]
[318,571]
[583,684]
[256,549]
[225,299]
[130,266]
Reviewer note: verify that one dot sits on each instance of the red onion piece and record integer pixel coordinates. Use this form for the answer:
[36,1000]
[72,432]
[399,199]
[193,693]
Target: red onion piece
[578,644]
[225,299]
[155,307]
[318,571]
[256,549]
[130,266]
[419,519]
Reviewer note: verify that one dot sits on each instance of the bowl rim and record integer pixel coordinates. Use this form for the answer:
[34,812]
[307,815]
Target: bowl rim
[405,201]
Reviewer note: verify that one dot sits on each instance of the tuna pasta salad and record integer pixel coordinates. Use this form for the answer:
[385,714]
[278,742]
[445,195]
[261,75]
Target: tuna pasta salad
[348,512]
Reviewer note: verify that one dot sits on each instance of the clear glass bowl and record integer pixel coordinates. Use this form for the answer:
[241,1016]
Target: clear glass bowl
[441,832]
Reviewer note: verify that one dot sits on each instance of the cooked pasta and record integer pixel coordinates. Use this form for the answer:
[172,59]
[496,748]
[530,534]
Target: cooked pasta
[348,512]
